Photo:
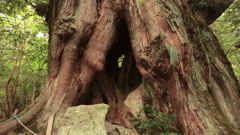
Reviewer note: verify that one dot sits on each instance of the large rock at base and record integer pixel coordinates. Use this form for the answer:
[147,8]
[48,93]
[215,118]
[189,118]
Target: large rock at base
[85,120]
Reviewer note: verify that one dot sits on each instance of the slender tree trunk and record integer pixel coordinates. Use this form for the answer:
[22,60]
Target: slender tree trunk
[34,90]
[8,101]
[169,52]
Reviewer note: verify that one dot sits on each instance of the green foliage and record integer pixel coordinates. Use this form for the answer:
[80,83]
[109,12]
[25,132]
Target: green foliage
[227,30]
[156,122]
[23,52]
[120,60]
[140,3]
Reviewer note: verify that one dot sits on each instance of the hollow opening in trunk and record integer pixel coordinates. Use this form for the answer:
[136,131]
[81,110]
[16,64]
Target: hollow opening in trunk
[120,75]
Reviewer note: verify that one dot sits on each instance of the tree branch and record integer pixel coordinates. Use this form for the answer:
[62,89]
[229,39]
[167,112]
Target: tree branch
[209,10]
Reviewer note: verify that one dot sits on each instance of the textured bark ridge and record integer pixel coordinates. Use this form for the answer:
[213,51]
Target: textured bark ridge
[170,60]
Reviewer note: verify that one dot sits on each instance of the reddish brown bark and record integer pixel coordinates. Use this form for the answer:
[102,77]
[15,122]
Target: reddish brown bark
[168,53]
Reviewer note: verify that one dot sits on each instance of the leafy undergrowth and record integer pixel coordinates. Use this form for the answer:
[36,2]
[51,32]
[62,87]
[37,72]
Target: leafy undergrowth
[155,123]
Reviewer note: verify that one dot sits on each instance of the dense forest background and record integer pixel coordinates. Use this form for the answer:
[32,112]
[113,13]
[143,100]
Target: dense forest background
[24,49]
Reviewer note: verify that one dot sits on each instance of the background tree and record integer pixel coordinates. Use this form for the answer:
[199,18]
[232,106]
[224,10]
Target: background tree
[227,30]
[23,56]
[171,58]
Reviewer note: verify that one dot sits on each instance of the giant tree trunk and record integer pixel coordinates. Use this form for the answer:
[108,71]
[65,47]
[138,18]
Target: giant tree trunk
[168,50]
